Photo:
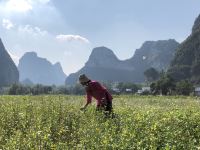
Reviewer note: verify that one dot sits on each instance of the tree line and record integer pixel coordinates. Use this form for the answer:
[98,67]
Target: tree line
[160,83]
[77,89]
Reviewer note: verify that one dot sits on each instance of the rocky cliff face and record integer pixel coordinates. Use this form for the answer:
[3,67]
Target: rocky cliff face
[156,54]
[102,56]
[103,65]
[105,58]
[186,63]
[8,71]
[196,25]
[40,70]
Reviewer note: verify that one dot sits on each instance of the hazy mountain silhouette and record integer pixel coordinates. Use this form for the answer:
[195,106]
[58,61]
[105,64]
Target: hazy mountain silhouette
[27,82]
[103,65]
[8,71]
[40,70]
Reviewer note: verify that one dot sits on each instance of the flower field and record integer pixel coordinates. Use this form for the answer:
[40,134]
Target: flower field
[139,122]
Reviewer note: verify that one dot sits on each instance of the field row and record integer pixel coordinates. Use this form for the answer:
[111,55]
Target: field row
[138,122]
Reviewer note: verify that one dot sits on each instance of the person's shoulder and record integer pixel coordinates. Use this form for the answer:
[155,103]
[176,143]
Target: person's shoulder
[93,82]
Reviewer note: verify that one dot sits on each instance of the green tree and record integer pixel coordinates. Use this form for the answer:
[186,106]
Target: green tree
[13,89]
[165,85]
[180,72]
[184,87]
[151,74]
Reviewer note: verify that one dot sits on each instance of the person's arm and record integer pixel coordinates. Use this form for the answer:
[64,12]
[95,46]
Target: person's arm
[89,100]
[85,106]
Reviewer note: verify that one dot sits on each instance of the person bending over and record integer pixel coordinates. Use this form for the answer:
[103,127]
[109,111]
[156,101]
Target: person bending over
[98,91]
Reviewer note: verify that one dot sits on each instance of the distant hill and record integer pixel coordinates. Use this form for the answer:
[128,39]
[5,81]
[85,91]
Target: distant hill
[40,70]
[186,63]
[26,82]
[8,71]
[103,65]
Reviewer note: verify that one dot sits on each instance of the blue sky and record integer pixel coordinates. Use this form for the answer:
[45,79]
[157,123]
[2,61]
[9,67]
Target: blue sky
[68,30]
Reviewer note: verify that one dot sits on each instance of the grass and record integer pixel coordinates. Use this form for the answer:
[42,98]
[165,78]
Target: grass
[141,122]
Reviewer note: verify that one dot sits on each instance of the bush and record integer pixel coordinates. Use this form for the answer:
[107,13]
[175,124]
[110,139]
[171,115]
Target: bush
[184,87]
[164,86]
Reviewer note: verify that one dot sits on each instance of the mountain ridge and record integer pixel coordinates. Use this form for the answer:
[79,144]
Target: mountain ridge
[8,71]
[186,63]
[104,65]
[42,71]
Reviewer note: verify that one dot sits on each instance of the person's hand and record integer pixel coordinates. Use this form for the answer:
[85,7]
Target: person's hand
[82,108]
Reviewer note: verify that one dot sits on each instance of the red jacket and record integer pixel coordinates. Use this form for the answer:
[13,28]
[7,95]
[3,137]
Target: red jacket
[96,90]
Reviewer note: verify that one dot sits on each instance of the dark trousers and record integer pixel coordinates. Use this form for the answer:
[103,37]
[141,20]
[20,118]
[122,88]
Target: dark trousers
[106,107]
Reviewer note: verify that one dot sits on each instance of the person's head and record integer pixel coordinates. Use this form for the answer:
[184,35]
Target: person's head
[84,80]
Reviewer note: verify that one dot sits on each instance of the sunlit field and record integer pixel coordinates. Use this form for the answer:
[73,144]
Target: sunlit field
[139,122]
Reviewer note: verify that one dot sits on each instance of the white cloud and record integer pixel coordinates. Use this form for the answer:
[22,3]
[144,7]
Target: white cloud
[19,5]
[41,1]
[70,38]
[32,30]
[68,53]
[7,24]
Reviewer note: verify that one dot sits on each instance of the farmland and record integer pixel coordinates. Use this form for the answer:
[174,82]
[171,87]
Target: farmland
[140,122]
